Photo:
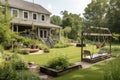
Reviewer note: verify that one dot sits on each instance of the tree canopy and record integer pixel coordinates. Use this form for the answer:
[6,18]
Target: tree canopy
[113,16]
[74,21]
[6,34]
[103,13]
[56,20]
[95,13]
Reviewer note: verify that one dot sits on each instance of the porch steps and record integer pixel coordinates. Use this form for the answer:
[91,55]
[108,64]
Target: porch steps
[49,42]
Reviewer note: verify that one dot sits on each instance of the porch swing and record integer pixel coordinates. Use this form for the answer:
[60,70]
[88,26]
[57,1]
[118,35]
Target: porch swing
[98,46]
[89,56]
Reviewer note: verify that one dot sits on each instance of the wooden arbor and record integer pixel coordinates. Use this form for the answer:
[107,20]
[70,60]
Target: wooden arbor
[93,34]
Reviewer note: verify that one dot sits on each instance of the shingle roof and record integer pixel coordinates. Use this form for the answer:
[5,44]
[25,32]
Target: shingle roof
[21,4]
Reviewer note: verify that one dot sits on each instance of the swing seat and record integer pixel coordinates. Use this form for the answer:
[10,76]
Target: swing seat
[100,45]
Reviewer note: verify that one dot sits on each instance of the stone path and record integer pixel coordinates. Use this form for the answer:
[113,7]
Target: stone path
[39,52]
[87,65]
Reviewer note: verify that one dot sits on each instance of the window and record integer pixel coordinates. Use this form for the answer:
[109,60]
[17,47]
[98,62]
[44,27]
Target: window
[35,16]
[25,14]
[43,33]
[15,13]
[43,17]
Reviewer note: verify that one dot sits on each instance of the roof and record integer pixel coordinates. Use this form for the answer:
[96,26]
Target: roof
[21,4]
[29,23]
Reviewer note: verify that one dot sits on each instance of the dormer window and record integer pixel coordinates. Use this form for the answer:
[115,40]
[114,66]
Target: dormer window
[43,17]
[34,16]
[15,13]
[25,15]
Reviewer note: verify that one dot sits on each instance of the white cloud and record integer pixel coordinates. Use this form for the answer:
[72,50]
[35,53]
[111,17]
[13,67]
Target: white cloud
[79,6]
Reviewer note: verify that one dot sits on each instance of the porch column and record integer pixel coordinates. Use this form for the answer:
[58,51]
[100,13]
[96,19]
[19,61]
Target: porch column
[60,34]
[12,27]
[17,28]
[49,33]
[38,33]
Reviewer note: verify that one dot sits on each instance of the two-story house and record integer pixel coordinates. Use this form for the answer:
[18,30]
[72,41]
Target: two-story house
[30,17]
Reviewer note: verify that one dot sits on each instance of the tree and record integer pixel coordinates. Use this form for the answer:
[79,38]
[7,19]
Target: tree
[56,20]
[6,34]
[113,16]
[95,13]
[67,30]
[74,21]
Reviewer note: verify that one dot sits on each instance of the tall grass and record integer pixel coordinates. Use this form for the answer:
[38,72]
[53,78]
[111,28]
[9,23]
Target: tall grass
[113,71]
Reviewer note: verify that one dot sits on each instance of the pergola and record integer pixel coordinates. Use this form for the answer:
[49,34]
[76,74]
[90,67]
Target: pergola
[93,34]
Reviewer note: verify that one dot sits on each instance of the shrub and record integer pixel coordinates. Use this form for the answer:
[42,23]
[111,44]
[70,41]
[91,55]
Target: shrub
[15,69]
[27,75]
[46,50]
[18,63]
[6,72]
[59,63]
[61,45]
[44,47]
[27,41]
[1,49]
[113,71]
[25,52]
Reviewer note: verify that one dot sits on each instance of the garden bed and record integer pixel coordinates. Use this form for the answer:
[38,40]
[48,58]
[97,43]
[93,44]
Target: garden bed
[97,58]
[55,73]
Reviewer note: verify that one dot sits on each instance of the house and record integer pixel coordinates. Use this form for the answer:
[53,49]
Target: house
[31,19]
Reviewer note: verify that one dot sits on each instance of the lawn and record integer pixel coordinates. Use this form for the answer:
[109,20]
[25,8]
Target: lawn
[72,52]
[93,73]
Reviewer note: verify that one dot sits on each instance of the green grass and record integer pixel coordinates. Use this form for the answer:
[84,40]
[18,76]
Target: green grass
[96,72]
[93,73]
[73,54]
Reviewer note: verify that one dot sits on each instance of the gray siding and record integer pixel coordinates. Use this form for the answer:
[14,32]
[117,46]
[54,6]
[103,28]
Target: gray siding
[47,17]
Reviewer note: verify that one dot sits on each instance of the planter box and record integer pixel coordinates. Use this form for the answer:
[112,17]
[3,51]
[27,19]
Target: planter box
[96,59]
[55,73]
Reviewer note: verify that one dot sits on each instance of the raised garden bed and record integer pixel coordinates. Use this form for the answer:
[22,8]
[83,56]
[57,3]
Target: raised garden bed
[96,59]
[55,73]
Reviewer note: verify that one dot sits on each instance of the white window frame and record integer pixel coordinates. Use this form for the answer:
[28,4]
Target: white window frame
[44,17]
[17,12]
[36,16]
[43,31]
[24,17]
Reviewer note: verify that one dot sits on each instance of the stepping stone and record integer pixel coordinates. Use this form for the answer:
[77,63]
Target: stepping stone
[44,77]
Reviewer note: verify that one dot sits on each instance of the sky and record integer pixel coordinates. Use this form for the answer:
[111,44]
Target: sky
[56,6]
